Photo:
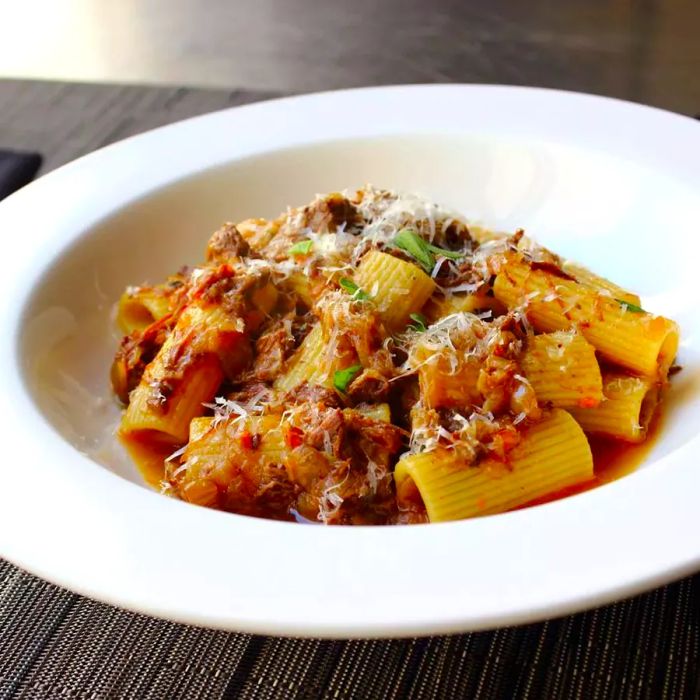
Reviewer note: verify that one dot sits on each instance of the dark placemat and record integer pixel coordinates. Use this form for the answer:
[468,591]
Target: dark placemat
[56,644]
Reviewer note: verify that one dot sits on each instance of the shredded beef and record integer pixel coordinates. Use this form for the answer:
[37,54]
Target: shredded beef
[271,351]
[226,243]
[250,390]
[370,386]
[260,491]
[385,436]
[327,213]
[331,426]
[135,352]
[313,393]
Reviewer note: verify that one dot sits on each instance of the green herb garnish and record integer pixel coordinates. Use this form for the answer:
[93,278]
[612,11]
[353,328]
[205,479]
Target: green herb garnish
[301,248]
[451,254]
[416,247]
[629,306]
[351,288]
[343,377]
[422,251]
[419,323]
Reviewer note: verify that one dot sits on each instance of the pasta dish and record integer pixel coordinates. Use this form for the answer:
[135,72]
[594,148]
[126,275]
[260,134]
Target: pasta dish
[370,358]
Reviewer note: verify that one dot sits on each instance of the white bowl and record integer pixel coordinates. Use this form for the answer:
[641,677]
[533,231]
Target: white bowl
[612,184]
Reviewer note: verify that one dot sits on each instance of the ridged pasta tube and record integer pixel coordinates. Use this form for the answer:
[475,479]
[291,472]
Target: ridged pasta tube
[150,415]
[231,451]
[308,364]
[641,342]
[626,410]
[584,276]
[553,454]
[137,309]
[185,373]
[438,308]
[398,288]
[563,370]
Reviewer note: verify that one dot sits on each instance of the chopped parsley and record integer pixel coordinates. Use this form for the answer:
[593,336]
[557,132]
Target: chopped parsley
[351,288]
[301,248]
[343,377]
[629,306]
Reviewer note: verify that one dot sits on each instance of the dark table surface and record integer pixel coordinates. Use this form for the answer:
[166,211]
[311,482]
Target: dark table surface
[54,643]
[643,50]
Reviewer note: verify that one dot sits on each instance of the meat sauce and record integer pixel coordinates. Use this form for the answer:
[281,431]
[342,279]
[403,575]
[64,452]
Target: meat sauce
[613,459]
[359,359]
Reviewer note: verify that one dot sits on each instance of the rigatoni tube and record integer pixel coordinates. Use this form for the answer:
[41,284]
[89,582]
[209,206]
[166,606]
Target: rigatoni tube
[641,342]
[563,370]
[627,408]
[553,454]
[310,363]
[398,288]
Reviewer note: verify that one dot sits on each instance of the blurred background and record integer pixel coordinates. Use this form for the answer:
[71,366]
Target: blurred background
[644,50]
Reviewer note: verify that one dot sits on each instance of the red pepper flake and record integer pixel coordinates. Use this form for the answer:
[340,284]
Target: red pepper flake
[246,440]
[587,402]
[295,437]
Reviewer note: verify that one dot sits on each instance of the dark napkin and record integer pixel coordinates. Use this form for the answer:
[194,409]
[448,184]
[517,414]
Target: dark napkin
[17,168]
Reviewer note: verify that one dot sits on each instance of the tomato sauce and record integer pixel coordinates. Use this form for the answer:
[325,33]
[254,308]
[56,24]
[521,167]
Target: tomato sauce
[612,459]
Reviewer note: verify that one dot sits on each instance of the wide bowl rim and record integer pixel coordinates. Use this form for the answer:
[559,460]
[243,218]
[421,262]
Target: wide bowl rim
[136,577]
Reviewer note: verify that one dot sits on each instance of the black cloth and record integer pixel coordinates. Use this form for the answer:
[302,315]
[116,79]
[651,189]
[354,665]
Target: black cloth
[17,169]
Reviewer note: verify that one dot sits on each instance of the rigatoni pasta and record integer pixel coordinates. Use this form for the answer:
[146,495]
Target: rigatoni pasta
[151,415]
[140,307]
[551,455]
[185,373]
[623,334]
[563,370]
[307,365]
[604,286]
[626,410]
[371,359]
[398,288]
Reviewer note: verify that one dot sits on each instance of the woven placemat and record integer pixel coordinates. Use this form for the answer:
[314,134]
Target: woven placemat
[56,644]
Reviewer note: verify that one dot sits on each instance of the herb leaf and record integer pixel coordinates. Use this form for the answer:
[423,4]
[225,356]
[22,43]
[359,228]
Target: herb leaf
[301,248]
[416,247]
[351,288]
[343,377]
[451,254]
[419,323]
[629,306]
[422,251]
